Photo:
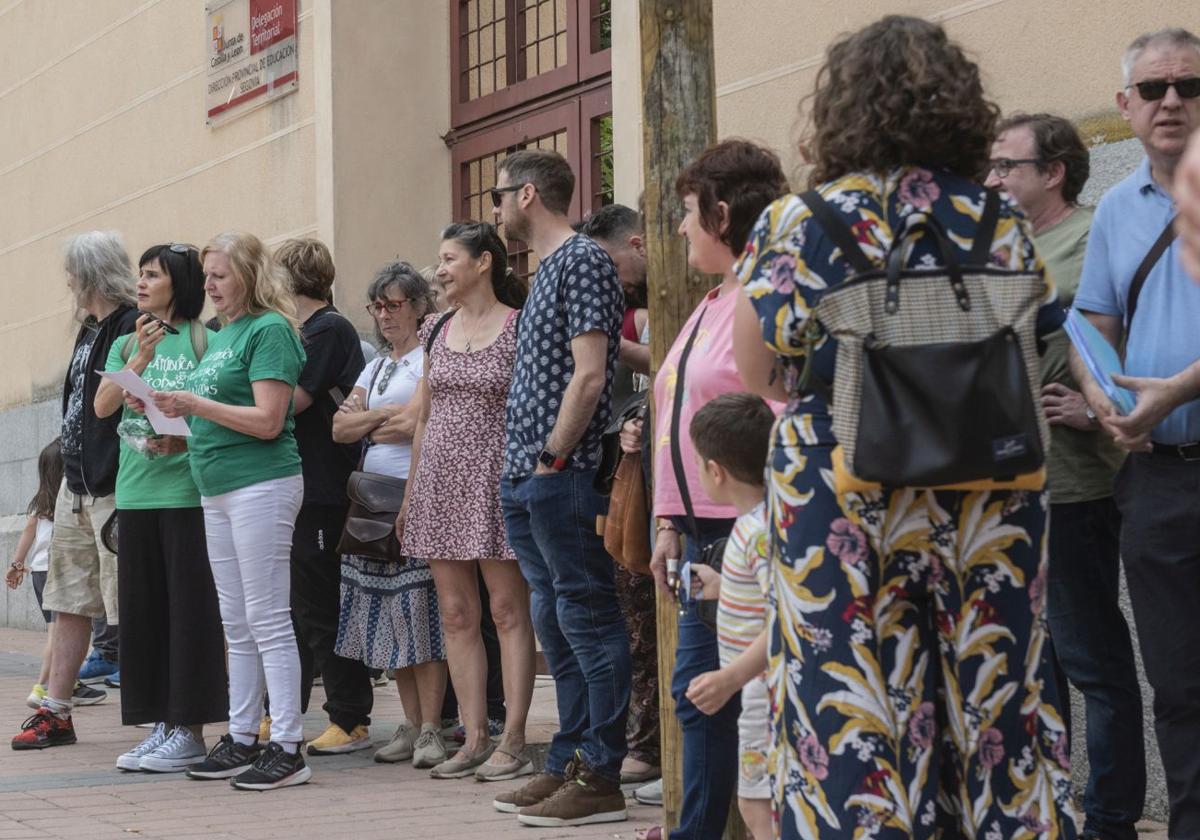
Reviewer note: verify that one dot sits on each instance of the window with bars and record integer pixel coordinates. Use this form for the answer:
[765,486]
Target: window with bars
[507,52]
[579,129]
[530,74]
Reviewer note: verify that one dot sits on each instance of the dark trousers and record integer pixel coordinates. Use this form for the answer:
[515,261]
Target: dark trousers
[710,742]
[1159,498]
[105,637]
[551,525]
[491,649]
[316,591]
[1094,649]
[172,642]
[636,593]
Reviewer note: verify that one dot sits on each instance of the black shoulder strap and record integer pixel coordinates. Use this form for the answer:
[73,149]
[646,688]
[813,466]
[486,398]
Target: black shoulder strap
[1143,271]
[676,452]
[981,248]
[437,328]
[837,229]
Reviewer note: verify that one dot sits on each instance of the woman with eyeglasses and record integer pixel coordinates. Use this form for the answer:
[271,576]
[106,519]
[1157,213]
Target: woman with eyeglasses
[246,465]
[170,627]
[389,615]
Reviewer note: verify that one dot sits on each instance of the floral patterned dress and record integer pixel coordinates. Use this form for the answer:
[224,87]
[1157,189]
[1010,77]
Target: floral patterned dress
[911,692]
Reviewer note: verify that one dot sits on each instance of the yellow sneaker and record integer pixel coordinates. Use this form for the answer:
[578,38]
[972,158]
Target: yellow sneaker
[34,700]
[335,740]
[264,730]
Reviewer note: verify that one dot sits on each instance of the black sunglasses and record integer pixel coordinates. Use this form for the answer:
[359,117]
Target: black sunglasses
[498,193]
[1155,89]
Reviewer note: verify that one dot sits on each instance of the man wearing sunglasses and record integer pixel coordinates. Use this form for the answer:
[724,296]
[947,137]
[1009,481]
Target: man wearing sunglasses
[558,408]
[1135,290]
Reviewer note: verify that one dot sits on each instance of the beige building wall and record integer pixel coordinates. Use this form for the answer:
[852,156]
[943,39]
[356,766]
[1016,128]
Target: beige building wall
[102,105]
[1061,56]
[383,171]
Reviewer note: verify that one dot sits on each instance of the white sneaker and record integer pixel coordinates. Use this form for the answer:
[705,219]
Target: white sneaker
[179,751]
[430,751]
[132,760]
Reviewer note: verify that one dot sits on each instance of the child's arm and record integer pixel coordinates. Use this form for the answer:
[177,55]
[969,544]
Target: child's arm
[16,570]
[711,691]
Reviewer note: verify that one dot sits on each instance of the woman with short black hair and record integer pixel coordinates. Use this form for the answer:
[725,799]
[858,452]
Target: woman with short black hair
[171,642]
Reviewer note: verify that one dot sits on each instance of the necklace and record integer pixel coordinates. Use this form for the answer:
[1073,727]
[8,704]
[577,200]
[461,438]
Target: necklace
[479,324]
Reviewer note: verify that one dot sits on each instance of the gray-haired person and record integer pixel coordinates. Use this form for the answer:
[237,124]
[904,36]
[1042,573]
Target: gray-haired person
[81,582]
[389,616]
[1158,488]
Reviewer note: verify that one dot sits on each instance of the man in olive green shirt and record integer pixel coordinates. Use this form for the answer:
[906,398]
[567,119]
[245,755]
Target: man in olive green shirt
[1042,163]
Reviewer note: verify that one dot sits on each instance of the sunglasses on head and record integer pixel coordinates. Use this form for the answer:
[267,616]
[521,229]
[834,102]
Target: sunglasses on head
[1154,89]
[181,249]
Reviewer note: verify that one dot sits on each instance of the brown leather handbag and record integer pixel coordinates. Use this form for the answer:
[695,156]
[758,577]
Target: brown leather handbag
[370,529]
[627,525]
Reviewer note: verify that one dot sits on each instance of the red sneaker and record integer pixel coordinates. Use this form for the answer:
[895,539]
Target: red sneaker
[44,729]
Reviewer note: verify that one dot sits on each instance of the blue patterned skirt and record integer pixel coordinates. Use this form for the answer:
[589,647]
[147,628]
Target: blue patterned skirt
[389,614]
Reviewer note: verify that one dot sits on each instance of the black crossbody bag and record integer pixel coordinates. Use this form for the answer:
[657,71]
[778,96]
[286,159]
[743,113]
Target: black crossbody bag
[712,553]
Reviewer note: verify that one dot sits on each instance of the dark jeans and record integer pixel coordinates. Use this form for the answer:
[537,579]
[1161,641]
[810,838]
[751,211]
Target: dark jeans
[1159,497]
[495,677]
[551,524]
[1093,647]
[710,742]
[105,640]
[316,600]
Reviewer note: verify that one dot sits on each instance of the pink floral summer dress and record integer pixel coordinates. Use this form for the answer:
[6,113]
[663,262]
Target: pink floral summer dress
[454,507]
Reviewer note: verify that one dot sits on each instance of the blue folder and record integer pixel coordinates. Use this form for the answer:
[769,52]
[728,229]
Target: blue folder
[1101,359]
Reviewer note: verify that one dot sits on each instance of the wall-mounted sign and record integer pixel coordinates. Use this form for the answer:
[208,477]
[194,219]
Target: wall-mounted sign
[251,55]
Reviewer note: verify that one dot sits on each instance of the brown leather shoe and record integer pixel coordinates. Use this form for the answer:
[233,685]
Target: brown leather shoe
[532,792]
[583,800]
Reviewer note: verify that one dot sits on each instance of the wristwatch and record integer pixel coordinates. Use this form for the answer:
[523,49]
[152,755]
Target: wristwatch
[1091,415]
[558,463]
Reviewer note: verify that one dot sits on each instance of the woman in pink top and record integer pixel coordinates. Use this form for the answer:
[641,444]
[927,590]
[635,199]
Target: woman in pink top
[723,191]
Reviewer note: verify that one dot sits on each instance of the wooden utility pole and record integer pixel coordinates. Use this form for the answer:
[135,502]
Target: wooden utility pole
[679,121]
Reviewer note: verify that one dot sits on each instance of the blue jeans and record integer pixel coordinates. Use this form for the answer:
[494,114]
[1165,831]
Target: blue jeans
[551,525]
[1093,647]
[710,742]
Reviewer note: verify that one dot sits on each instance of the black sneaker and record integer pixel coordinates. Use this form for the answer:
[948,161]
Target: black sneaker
[227,758]
[275,768]
[85,695]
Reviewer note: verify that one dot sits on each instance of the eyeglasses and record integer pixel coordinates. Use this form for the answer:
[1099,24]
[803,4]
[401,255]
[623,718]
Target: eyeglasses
[1003,167]
[498,193]
[1153,90]
[182,249]
[392,306]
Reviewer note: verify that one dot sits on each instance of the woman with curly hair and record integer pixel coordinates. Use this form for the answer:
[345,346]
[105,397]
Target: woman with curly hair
[911,691]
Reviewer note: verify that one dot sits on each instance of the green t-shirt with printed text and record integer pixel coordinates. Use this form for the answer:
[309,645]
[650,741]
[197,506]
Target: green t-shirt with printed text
[247,350]
[166,481]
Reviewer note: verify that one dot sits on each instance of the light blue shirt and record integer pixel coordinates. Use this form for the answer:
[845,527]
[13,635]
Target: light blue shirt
[1165,335]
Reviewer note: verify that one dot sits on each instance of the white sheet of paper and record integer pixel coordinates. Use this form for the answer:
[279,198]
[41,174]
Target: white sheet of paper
[135,385]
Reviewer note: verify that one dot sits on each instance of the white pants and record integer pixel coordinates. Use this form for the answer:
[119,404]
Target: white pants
[249,535]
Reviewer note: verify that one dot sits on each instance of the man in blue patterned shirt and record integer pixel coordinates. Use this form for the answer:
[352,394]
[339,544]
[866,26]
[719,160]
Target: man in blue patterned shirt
[558,408]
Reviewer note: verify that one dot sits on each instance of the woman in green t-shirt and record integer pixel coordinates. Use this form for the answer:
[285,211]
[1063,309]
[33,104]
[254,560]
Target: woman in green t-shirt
[170,627]
[246,465]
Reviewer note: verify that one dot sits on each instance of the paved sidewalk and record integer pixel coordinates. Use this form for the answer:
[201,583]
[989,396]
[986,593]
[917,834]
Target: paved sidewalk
[74,792]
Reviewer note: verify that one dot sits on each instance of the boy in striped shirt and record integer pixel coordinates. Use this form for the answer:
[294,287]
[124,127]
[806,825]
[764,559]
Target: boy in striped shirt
[731,435]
